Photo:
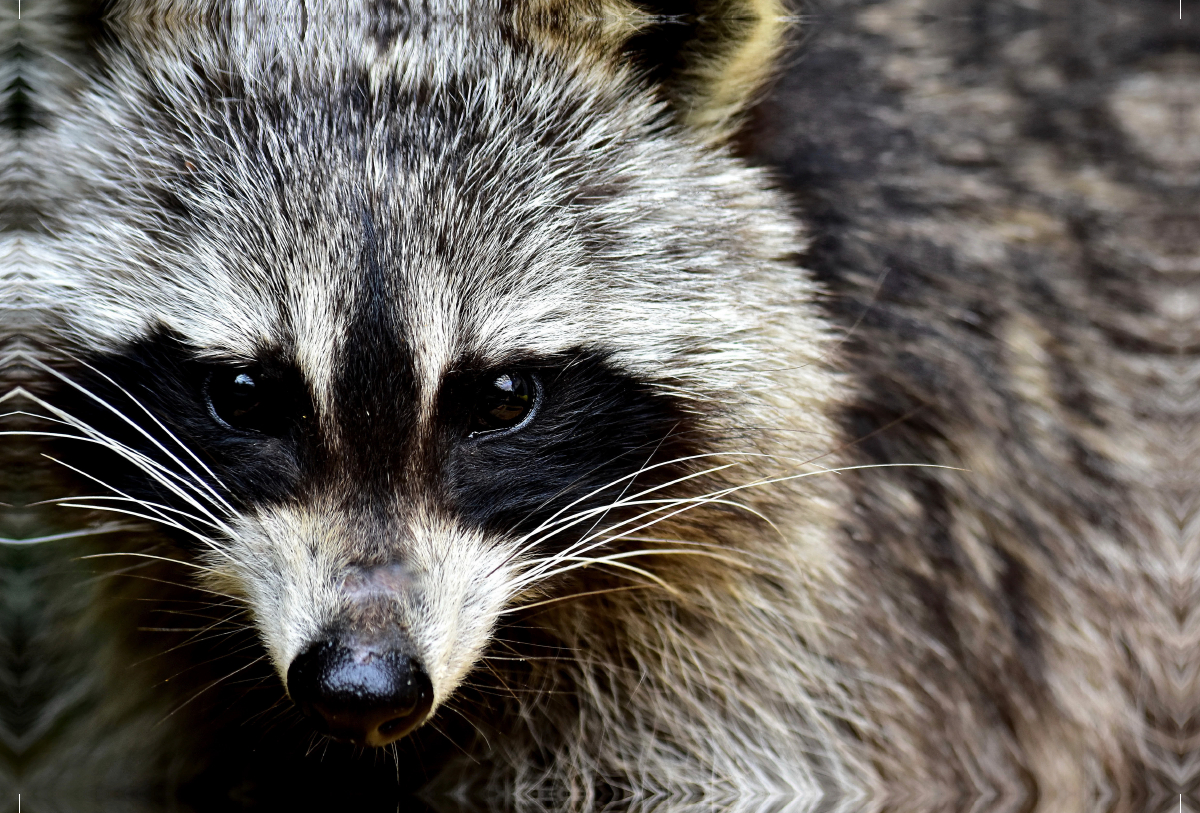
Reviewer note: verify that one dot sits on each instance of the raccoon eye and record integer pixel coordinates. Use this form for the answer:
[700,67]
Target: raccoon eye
[505,401]
[235,398]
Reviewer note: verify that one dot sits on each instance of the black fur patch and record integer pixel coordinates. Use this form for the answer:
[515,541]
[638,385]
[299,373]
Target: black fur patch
[151,400]
[593,426]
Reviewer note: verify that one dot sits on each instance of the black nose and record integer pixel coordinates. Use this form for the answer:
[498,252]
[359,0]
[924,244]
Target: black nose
[370,695]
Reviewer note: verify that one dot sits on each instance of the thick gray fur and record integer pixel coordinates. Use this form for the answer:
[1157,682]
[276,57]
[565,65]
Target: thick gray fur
[998,605]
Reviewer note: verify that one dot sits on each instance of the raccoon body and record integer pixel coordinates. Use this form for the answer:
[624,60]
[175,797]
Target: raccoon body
[457,357]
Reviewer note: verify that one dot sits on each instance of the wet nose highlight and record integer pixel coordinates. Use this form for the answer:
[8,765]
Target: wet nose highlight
[370,695]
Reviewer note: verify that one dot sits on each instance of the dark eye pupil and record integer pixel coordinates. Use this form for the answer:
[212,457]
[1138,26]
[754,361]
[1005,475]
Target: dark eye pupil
[243,384]
[504,402]
[234,397]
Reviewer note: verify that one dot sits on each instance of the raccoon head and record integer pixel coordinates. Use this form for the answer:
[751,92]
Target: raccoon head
[396,345]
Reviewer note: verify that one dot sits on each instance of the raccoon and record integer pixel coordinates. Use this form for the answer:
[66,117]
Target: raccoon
[452,361]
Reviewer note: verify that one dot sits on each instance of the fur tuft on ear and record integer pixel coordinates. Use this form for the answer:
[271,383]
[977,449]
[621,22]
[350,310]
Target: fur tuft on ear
[738,47]
[713,58]
[709,59]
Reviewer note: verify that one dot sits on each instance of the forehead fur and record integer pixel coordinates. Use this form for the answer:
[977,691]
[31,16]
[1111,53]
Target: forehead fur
[511,206]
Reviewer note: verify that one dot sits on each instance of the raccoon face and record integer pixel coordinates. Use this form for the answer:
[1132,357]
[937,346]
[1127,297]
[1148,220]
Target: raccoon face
[389,353]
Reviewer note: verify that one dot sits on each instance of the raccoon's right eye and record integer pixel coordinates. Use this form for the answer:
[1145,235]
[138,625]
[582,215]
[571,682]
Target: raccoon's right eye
[506,401]
[235,398]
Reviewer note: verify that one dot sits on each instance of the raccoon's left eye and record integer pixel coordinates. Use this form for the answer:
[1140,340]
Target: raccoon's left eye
[505,401]
[235,397]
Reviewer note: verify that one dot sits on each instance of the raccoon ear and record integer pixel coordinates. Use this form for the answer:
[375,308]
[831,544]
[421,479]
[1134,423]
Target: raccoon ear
[710,58]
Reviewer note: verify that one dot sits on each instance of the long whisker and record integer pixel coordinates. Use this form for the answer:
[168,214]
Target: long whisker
[119,497]
[170,583]
[809,461]
[106,528]
[582,516]
[211,685]
[614,559]
[217,524]
[149,414]
[580,562]
[194,565]
[780,458]
[152,467]
[604,537]
[199,637]
[633,475]
[249,646]
[157,471]
[539,573]
[199,480]
[37,415]
[523,544]
[575,519]
[627,486]
[570,597]
[170,524]
[714,497]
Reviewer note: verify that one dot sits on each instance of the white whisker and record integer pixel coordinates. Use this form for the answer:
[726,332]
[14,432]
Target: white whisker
[124,498]
[606,536]
[616,559]
[142,461]
[138,555]
[574,519]
[206,540]
[111,527]
[151,467]
[209,541]
[214,683]
[541,570]
[67,380]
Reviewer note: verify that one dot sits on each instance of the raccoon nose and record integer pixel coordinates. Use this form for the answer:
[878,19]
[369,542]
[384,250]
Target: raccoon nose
[368,695]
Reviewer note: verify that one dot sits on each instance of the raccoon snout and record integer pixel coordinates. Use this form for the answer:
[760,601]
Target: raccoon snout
[367,694]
